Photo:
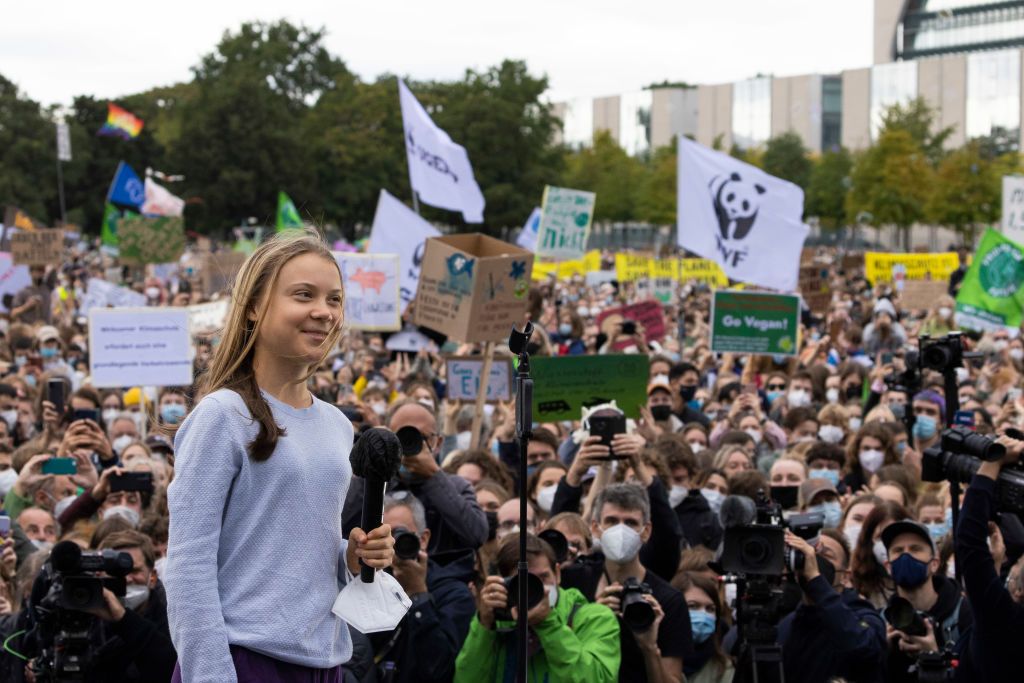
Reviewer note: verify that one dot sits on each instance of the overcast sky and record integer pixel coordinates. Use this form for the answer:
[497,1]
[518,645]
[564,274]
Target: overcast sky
[58,49]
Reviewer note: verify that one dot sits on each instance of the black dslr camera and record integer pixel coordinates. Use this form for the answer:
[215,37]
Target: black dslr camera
[70,582]
[959,455]
[535,592]
[637,613]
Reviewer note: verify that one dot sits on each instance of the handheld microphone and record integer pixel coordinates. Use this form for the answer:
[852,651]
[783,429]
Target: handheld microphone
[737,511]
[376,457]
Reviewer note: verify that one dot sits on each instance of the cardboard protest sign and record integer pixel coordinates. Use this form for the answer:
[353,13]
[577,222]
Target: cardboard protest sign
[219,269]
[564,385]
[1013,208]
[472,287]
[885,267]
[371,290]
[565,221]
[702,270]
[921,295]
[139,346]
[13,278]
[755,322]
[207,318]
[463,379]
[146,239]
[37,248]
[815,288]
[648,315]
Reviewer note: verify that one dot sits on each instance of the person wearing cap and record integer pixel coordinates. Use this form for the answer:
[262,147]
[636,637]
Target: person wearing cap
[929,414]
[913,563]
[657,414]
[821,496]
[884,333]
[161,447]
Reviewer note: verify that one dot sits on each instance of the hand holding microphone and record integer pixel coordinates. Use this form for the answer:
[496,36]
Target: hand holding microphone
[376,457]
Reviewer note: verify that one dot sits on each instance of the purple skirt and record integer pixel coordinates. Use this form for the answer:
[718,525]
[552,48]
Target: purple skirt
[253,667]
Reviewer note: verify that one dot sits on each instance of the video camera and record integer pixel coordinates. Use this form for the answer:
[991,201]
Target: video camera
[959,455]
[70,583]
[758,549]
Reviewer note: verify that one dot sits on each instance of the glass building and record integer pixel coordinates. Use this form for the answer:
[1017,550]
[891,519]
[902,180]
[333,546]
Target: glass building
[831,112]
[894,83]
[993,95]
[635,121]
[752,112]
[933,27]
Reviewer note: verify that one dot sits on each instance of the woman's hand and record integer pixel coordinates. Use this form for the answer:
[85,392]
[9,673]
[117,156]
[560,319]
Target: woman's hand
[376,549]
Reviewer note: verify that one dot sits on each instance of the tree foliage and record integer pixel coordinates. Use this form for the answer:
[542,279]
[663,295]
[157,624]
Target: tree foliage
[827,186]
[786,157]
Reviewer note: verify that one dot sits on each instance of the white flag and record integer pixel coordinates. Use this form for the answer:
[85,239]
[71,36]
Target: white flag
[397,229]
[160,202]
[528,235]
[747,221]
[439,169]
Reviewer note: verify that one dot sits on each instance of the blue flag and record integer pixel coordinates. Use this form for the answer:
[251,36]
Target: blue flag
[126,189]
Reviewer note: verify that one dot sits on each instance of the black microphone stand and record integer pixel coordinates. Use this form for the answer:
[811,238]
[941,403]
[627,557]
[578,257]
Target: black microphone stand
[517,343]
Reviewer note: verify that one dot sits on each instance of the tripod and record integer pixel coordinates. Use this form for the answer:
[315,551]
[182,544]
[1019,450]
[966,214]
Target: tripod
[759,655]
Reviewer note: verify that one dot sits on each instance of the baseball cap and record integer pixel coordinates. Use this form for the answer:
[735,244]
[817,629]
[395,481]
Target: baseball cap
[659,382]
[159,442]
[47,333]
[907,526]
[812,487]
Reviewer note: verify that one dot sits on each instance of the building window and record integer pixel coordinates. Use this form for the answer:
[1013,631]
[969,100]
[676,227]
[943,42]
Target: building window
[894,83]
[752,112]
[993,95]
[635,122]
[831,112]
[578,126]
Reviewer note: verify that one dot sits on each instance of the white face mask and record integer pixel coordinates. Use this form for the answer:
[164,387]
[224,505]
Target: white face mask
[676,495]
[755,434]
[463,440]
[881,554]
[962,375]
[153,292]
[135,596]
[852,533]
[798,398]
[696,447]
[380,408]
[546,497]
[123,511]
[62,505]
[832,395]
[871,460]
[160,565]
[714,498]
[830,433]
[122,442]
[11,418]
[855,424]
[945,311]
[621,544]
[110,414]
[1017,353]
[7,479]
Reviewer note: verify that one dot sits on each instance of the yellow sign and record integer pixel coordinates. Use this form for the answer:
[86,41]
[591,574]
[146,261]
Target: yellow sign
[702,270]
[885,267]
[592,261]
[663,269]
[631,267]
[542,270]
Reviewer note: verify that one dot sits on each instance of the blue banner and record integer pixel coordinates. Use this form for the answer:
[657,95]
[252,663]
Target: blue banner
[126,189]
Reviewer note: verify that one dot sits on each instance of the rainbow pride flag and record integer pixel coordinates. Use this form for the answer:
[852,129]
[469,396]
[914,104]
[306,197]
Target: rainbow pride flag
[120,123]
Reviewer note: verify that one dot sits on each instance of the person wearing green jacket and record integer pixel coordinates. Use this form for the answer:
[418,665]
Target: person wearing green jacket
[571,639]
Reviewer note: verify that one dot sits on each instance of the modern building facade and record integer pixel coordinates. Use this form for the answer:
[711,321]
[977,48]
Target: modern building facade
[964,57]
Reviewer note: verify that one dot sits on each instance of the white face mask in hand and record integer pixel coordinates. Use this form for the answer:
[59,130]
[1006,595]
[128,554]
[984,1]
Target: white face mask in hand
[372,607]
[620,544]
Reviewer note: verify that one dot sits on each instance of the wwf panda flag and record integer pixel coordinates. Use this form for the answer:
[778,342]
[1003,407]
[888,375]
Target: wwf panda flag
[741,217]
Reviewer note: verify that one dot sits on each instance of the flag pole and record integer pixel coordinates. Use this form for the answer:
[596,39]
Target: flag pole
[416,202]
[60,192]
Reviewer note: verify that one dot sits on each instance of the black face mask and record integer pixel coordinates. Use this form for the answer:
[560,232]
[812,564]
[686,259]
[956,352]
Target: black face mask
[687,392]
[786,496]
[661,413]
[853,392]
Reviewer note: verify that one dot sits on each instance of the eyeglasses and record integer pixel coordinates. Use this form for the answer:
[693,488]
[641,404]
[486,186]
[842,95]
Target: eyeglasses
[775,387]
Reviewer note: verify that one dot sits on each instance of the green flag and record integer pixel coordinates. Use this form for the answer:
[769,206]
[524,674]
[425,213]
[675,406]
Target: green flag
[111,214]
[992,293]
[287,214]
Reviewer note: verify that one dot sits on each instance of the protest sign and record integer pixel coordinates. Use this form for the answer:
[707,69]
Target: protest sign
[144,239]
[564,385]
[139,346]
[599,277]
[409,340]
[702,270]
[102,293]
[371,290]
[885,267]
[922,295]
[218,270]
[13,278]
[755,322]
[992,294]
[463,379]
[564,222]
[397,229]
[1013,208]
[207,318]
[542,271]
[631,267]
[37,248]
[472,287]
[663,274]
[648,315]
[815,289]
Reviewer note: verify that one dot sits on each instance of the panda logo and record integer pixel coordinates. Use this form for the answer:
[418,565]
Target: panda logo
[736,205]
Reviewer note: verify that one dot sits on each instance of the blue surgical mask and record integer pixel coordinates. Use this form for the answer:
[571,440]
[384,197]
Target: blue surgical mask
[48,353]
[30,380]
[908,571]
[702,624]
[172,413]
[565,329]
[831,476]
[924,427]
[938,531]
[832,511]
[695,403]
[773,395]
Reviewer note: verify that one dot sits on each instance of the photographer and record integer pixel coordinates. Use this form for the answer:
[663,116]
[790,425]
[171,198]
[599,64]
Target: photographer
[571,639]
[424,645]
[622,523]
[913,563]
[995,650]
[834,632]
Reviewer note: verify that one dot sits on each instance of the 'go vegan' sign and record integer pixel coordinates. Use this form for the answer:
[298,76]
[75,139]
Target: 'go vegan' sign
[755,322]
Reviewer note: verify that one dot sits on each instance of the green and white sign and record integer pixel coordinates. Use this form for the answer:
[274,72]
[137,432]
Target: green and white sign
[564,385]
[755,322]
[565,221]
[992,294]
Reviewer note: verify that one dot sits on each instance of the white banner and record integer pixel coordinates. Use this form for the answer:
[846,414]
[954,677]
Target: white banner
[139,346]
[397,229]
[737,215]
[372,299]
[439,169]
[1013,208]
[160,202]
[528,235]
[13,278]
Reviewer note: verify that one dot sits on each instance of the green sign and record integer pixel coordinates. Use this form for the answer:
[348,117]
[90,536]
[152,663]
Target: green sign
[754,322]
[564,385]
[992,293]
[151,239]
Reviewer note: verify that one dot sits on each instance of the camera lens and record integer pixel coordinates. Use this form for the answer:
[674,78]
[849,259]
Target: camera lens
[755,552]
[407,545]
[936,357]
[535,591]
[637,612]
[411,440]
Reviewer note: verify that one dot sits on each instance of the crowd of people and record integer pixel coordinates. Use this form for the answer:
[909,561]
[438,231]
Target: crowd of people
[625,535]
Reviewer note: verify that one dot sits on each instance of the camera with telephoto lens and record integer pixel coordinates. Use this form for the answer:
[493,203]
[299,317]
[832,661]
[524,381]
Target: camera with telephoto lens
[943,354]
[959,455]
[72,581]
[407,544]
[903,616]
[637,613]
[535,592]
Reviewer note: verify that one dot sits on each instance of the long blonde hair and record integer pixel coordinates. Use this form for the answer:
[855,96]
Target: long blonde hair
[231,364]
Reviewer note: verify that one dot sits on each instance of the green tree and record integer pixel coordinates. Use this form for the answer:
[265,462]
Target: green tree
[606,169]
[827,186]
[967,190]
[28,155]
[918,120]
[656,202]
[786,157]
[890,182]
